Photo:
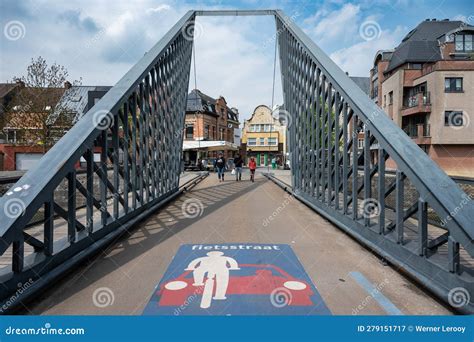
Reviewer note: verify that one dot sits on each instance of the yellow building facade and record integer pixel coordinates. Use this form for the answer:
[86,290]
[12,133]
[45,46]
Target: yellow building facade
[264,137]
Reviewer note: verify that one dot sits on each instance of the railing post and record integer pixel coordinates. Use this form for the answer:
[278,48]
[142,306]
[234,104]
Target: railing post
[453,255]
[71,220]
[399,194]
[381,189]
[48,227]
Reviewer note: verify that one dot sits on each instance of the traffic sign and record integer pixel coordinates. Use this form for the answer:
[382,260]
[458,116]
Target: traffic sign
[236,279]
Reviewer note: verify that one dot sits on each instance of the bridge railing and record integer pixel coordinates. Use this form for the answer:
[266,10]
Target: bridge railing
[128,150]
[334,129]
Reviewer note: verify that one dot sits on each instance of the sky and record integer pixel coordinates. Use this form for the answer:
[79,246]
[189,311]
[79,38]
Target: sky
[98,41]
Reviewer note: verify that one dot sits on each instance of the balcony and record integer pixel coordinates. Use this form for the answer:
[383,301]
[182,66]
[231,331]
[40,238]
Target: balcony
[418,103]
[420,133]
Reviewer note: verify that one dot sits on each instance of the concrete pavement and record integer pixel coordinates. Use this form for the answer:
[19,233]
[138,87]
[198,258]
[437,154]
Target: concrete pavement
[343,271]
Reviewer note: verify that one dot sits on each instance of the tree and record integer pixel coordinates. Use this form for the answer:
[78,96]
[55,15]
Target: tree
[40,91]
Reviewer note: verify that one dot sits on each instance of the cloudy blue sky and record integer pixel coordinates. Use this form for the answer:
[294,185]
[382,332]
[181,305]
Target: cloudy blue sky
[99,40]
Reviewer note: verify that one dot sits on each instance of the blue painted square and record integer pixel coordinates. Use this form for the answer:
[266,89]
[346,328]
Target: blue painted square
[236,279]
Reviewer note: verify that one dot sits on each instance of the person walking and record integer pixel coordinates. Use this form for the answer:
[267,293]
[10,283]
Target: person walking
[238,163]
[252,167]
[220,166]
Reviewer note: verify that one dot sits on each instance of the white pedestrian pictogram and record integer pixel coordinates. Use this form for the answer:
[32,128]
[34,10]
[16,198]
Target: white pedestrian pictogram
[215,266]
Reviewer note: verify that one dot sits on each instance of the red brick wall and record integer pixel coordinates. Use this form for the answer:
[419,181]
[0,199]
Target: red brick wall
[9,152]
[455,160]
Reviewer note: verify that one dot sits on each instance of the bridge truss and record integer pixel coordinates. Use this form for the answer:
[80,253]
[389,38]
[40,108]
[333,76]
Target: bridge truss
[137,129]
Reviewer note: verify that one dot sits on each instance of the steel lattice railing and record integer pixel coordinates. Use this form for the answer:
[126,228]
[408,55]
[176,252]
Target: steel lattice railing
[362,188]
[138,128]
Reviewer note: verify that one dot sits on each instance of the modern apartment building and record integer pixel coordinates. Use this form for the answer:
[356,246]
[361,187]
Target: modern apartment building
[426,86]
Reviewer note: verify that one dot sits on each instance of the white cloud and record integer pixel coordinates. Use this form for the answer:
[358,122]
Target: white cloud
[232,57]
[335,25]
[230,64]
[350,37]
[159,8]
[358,58]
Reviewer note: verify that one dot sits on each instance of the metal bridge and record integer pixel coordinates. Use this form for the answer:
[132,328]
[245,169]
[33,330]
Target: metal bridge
[426,233]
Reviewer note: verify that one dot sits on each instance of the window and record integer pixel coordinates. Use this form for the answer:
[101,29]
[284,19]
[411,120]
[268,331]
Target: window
[459,42]
[375,89]
[452,84]
[11,136]
[206,132]
[272,141]
[262,141]
[453,118]
[384,100]
[252,141]
[360,143]
[257,128]
[414,66]
[221,133]
[463,42]
[410,124]
[252,128]
[268,128]
[189,131]
[390,98]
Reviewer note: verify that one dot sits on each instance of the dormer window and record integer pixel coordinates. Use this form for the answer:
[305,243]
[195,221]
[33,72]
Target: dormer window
[463,42]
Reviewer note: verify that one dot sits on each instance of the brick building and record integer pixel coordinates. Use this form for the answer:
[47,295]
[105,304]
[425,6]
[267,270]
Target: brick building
[210,127]
[426,86]
[29,130]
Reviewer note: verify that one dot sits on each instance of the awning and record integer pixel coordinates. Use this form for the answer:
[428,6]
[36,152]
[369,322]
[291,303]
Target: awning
[209,145]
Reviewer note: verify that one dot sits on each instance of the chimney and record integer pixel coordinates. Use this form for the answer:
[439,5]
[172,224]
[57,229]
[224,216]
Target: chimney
[67,85]
[20,82]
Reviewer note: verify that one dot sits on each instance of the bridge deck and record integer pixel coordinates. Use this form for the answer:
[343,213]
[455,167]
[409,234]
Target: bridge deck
[235,212]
